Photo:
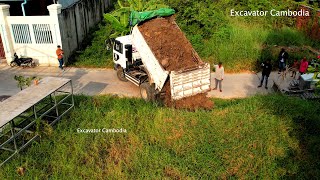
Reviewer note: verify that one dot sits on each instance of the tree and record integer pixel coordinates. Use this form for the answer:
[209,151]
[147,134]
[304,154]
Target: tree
[119,19]
[24,81]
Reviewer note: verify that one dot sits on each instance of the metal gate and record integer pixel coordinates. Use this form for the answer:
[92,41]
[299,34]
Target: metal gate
[2,53]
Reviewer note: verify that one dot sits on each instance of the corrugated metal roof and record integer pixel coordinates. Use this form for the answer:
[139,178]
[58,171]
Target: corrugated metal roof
[64,3]
[13,0]
[67,3]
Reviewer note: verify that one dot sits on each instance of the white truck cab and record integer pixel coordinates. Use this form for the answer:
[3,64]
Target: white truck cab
[127,61]
[123,51]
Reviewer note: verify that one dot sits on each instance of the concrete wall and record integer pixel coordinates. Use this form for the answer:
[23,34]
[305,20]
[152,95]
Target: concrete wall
[75,22]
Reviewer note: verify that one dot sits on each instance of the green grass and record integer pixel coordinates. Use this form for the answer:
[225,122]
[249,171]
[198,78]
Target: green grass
[240,46]
[243,46]
[95,54]
[269,137]
[241,43]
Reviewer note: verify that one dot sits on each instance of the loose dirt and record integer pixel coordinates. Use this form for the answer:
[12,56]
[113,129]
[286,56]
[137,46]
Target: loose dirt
[192,103]
[169,44]
[175,53]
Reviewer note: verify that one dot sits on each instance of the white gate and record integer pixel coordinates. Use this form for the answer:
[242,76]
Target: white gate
[31,36]
[34,37]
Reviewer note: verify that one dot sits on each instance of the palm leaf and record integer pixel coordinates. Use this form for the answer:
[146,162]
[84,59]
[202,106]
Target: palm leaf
[120,11]
[137,5]
[115,23]
[111,18]
[120,4]
[155,6]
[115,35]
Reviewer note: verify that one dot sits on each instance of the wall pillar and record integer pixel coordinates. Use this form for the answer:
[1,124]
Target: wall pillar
[54,11]
[5,32]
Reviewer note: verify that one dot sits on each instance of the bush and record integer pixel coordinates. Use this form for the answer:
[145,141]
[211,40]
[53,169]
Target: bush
[240,42]
[286,37]
[95,54]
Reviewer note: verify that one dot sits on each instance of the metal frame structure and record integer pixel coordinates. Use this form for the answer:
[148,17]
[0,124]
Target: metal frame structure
[19,129]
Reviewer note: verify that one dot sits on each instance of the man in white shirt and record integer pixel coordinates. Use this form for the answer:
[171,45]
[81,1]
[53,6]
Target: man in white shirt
[219,75]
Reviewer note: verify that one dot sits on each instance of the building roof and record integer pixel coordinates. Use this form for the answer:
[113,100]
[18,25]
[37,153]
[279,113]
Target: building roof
[64,3]
[67,3]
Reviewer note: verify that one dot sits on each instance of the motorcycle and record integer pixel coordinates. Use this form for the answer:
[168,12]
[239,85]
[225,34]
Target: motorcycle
[23,62]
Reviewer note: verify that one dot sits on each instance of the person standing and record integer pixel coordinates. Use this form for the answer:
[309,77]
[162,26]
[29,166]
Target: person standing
[219,76]
[266,70]
[295,68]
[283,57]
[303,66]
[59,53]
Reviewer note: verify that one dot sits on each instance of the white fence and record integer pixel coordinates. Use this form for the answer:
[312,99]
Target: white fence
[31,36]
[21,33]
[34,37]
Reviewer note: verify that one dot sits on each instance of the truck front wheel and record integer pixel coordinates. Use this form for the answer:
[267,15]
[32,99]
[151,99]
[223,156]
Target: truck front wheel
[120,75]
[146,92]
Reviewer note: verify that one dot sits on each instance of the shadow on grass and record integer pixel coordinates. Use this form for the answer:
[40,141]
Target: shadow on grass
[303,162]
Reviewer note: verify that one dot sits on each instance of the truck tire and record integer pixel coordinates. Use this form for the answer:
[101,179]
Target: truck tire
[120,75]
[146,92]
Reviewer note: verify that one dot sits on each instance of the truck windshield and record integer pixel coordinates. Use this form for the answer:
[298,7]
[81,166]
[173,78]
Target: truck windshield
[118,46]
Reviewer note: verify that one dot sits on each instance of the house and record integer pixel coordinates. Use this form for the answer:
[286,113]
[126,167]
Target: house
[46,25]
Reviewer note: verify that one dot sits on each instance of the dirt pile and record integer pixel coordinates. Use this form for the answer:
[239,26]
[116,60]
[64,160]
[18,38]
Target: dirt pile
[175,53]
[191,103]
[169,44]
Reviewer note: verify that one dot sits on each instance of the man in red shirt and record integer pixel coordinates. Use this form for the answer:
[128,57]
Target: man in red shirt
[59,53]
[303,66]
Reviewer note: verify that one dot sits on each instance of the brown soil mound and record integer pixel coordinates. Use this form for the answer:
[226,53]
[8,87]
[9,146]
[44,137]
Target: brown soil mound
[169,44]
[199,101]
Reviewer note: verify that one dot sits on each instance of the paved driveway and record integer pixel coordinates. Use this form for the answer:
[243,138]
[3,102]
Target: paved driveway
[104,81]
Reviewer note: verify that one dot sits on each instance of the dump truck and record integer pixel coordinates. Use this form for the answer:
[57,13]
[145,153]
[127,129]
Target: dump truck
[134,61]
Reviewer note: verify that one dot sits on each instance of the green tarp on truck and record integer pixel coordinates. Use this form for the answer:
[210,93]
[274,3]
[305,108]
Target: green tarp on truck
[138,17]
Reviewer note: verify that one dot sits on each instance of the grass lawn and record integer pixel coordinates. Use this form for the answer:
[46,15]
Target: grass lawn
[269,137]
[95,54]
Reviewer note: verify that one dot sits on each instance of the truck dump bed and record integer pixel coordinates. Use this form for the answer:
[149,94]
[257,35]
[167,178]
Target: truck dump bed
[156,72]
[161,39]
[190,83]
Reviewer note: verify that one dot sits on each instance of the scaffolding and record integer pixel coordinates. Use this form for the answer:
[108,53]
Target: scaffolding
[23,115]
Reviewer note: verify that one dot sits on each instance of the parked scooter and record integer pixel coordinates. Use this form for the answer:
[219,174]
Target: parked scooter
[23,62]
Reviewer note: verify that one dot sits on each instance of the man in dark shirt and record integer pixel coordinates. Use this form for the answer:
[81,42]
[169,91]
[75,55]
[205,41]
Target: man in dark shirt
[266,70]
[283,57]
